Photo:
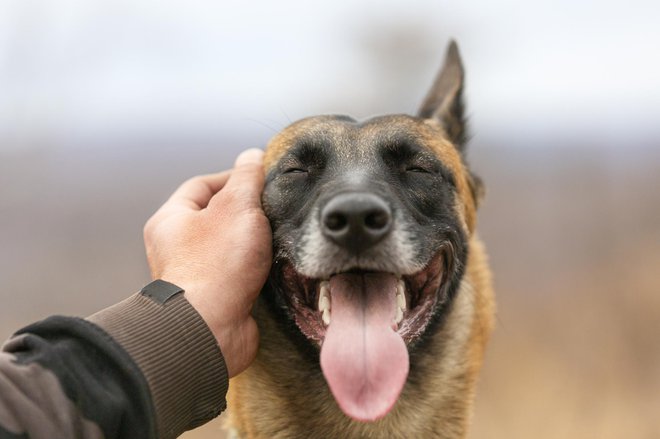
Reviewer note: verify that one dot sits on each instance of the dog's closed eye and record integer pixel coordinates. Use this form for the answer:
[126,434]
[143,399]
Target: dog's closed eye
[419,169]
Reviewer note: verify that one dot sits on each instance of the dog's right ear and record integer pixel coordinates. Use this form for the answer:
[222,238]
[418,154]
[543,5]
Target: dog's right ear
[444,102]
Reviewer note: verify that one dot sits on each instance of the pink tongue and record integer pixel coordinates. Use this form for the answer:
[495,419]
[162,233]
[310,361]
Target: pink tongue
[365,362]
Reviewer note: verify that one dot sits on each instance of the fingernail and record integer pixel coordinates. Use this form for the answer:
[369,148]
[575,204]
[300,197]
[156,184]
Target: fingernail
[252,156]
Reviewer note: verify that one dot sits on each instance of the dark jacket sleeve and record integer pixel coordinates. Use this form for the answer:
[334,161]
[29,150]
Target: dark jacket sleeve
[147,367]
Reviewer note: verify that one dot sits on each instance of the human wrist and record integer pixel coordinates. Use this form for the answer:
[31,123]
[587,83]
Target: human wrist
[204,306]
[229,321]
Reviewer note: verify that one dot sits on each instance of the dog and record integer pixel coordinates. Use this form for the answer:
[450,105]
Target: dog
[379,305]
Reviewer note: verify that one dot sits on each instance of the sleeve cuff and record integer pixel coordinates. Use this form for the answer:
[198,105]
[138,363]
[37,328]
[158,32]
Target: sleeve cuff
[177,353]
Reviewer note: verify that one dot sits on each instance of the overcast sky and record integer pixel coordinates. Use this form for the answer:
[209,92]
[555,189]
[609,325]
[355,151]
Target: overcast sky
[73,71]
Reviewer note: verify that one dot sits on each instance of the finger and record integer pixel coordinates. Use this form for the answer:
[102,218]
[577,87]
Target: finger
[246,181]
[195,193]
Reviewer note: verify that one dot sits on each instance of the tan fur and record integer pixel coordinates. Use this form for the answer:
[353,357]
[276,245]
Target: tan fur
[276,398]
[272,399]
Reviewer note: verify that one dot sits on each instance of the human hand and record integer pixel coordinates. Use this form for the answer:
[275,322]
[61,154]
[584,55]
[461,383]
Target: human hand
[212,239]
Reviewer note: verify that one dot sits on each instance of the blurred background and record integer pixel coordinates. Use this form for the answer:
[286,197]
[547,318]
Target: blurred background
[105,107]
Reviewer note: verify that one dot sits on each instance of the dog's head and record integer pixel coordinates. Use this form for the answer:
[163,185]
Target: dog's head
[371,222]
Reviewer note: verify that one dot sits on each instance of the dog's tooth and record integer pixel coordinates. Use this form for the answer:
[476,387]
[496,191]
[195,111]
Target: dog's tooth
[324,296]
[326,317]
[400,287]
[399,316]
[401,295]
[324,303]
[401,300]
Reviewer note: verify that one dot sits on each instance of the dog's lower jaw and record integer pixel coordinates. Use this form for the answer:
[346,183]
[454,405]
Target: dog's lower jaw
[284,394]
[362,322]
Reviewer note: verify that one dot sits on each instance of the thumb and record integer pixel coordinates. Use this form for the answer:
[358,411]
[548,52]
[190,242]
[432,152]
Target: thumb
[246,181]
[252,156]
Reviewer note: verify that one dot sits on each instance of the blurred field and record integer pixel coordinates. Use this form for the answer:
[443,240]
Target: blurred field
[98,127]
[574,238]
[573,235]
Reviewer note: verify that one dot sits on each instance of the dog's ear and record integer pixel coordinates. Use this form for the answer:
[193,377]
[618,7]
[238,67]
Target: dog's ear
[444,101]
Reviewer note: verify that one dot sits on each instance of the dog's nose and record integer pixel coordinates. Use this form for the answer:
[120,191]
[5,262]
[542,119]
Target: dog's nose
[356,221]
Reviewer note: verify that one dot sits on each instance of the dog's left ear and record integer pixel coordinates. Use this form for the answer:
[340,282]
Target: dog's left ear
[444,101]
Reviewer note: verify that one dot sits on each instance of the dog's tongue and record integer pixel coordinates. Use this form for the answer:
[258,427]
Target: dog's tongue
[365,362]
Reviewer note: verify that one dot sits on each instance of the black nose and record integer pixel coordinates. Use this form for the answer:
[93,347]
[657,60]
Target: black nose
[356,221]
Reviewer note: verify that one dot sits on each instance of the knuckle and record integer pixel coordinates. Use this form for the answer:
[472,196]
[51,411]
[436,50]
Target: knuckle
[149,230]
[193,181]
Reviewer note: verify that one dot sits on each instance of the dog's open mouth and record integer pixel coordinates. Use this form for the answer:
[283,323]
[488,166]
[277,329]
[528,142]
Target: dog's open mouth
[362,320]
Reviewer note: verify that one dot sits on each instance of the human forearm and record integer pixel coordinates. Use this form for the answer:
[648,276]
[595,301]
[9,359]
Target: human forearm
[147,367]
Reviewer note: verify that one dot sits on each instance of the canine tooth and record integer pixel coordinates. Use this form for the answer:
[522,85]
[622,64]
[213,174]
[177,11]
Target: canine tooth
[324,303]
[324,296]
[400,287]
[326,316]
[399,316]
[401,300]
[401,295]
